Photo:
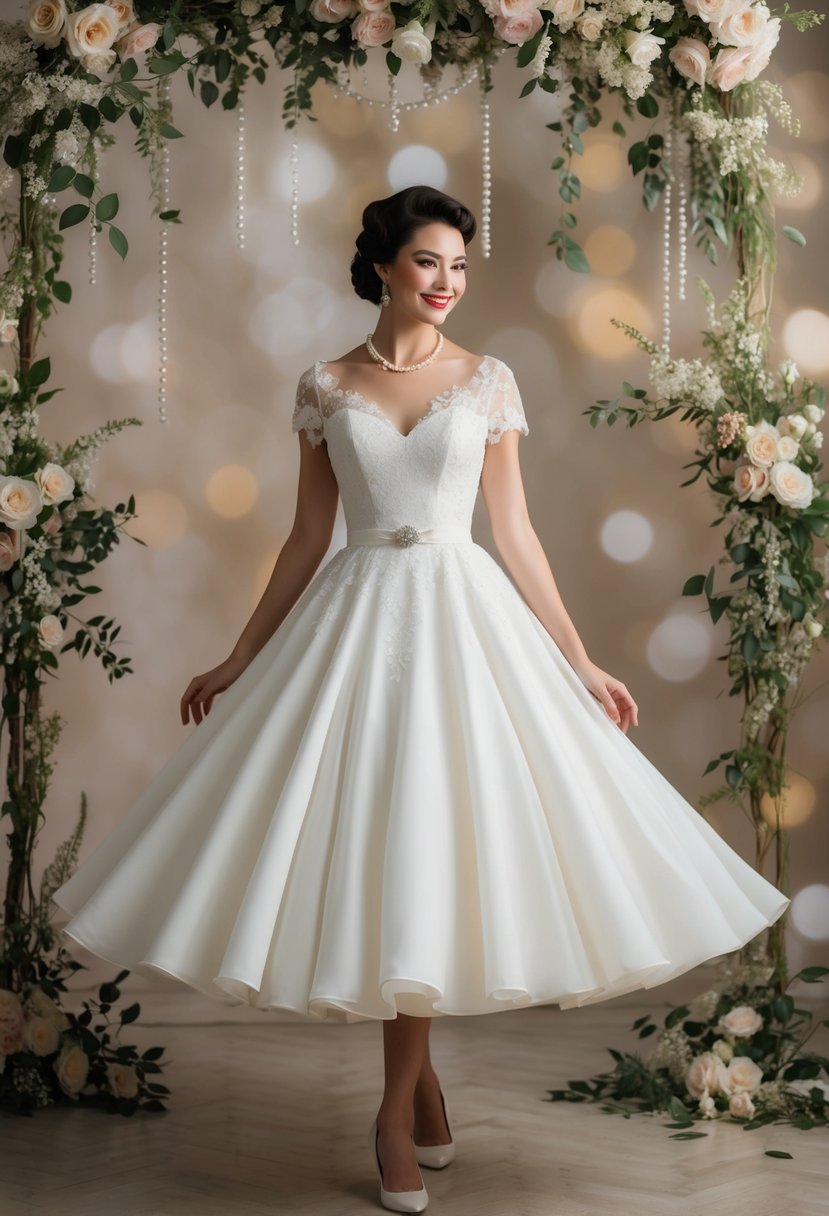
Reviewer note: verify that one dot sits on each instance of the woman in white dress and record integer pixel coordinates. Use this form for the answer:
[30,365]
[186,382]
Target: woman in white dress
[416,795]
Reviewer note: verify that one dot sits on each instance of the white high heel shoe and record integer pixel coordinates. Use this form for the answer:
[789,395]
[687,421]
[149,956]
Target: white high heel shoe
[436,1156]
[395,1201]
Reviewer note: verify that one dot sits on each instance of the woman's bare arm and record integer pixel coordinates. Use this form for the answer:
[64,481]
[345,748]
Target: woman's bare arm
[304,549]
[519,546]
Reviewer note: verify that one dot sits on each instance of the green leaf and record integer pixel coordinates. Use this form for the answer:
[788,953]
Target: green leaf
[107,207]
[576,260]
[117,240]
[648,106]
[638,157]
[794,234]
[393,62]
[61,178]
[73,215]
[778,1152]
[62,290]
[40,372]
[694,585]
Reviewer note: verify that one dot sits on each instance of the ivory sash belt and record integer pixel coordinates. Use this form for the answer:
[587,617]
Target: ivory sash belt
[407,535]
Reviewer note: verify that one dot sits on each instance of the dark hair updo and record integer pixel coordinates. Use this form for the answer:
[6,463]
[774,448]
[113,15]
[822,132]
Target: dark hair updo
[389,223]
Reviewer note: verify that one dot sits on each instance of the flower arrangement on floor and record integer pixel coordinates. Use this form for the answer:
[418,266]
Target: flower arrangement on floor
[69,72]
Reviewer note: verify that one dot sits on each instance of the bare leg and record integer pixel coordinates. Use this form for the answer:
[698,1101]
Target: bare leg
[404,1042]
[429,1123]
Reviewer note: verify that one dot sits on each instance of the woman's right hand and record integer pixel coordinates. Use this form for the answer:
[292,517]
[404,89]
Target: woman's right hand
[202,689]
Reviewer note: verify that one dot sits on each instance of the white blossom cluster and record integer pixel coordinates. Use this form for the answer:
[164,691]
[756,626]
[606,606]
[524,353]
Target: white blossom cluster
[686,380]
[741,145]
[740,525]
[36,587]
[673,1051]
[16,426]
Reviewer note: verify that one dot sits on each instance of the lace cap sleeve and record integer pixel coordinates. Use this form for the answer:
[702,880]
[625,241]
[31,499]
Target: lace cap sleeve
[307,415]
[505,410]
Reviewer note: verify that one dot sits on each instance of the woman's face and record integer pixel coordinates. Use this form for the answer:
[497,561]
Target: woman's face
[428,276]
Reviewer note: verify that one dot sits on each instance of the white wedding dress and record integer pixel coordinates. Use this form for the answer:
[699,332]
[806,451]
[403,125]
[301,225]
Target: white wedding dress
[408,800]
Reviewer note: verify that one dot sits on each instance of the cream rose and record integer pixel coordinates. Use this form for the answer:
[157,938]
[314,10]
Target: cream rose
[520,27]
[729,68]
[71,1069]
[11,1022]
[590,24]
[814,412]
[40,1036]
[332,10]
[791,486]
[54,483]
[8,328]
[712,10]
[43,1006]
[373,29]
[787,448]
[91,29]
[742,26]
[123,10]
[762,49]
[564,12]
[723,1049]
[20,502]
[9,550]
[642,47]
[45,21]
[50,630]
[122,1080]
[741,1075]
[411,44]
[740,1105]
[761,444]
[793,424]
[750,482]
[691,58]
[741,1022]
[704,1075]
[139,40]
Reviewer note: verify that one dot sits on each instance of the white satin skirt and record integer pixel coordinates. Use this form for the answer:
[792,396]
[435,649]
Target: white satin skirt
[409,802]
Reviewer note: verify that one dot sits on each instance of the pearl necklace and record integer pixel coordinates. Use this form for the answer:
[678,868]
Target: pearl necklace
[400,367]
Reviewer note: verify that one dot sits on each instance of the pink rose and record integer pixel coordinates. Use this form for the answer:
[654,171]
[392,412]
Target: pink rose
[691,59]
[332,10]
[138,40]
[520,26]
[730,67]
[373,29]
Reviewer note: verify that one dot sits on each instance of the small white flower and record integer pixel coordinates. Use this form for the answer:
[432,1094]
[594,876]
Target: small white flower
[789,372]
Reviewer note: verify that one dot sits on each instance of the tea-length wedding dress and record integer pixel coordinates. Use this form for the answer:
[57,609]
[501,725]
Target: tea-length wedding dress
[409,800]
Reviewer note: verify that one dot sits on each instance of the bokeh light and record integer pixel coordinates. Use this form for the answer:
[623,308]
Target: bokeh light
[796,802]
[282,322]
[679,647]
[161,518]
[592,326]
[417,164]
[809,912]
[626,536]
[231,491]
[610,250]
[319,173]
[806,340]
[602,165]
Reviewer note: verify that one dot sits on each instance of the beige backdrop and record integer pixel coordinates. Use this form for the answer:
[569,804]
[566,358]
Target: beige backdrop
[215,488]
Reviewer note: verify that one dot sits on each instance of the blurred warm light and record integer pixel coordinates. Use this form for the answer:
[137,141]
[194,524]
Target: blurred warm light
[231,491]
[106,354]
[602,165]
[679,647]
[610,250]
[812,188]
[417,164]
[806,340]
[797,801]
[626,536]
[554,288]
[318,174]
[161,518]
[451,126]
[809,912]
[673,436]
[592,322]
[339,115]
[808,93]
[284,322]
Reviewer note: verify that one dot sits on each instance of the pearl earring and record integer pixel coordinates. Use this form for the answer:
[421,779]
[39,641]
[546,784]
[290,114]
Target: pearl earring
[385,298]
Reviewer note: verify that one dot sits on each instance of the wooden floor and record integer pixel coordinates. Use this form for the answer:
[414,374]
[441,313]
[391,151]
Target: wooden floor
[270,1115]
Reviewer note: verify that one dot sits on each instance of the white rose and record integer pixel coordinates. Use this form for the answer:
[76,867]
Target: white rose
[564,12]
[741,27]
[411,44]
[11,1022]
[9,549]
[787,448]
[740,1105]
[722,1049]
[762,49]
[54,483]
[122,1080]
[642,47]
[741,1075]
[332,10]
[20,502]
[750,482]
[761,445]
[590,24]
[813,628]
[704,1074]
[40,1036]
[45,21]
[792,424]
[791,486]
[730,68]
[788,372]
[50,630]
[707,1106]
[712,10]
[813,412]
[71,1069]
[44,1007]
[741,1022]
[123,10]
[691,58]
[8,328]
[91,29]
[8,384]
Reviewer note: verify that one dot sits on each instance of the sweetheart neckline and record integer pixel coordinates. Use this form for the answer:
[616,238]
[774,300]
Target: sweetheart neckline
[430,405]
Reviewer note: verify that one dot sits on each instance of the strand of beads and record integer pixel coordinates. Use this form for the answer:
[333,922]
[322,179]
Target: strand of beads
[163,274]
[486,165]
[240,174]
[682,215]
[666,241]
[95,152]
[394,104]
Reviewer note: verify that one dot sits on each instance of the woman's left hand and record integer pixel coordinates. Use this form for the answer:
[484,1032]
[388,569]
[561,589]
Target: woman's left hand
[612,694]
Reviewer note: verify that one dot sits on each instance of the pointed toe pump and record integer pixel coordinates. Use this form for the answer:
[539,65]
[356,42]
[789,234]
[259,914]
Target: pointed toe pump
[395,1201]
[436,1156]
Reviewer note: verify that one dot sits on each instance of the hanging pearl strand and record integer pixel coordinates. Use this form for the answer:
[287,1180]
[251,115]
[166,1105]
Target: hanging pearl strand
[295,171]
[666,242]
[394,104]
[93,233]
[240,174]
[682,214]
[163,100]
[486,167]
[467,74]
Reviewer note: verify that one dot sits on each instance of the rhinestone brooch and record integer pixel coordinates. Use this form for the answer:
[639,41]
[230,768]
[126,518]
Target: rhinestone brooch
[407,535]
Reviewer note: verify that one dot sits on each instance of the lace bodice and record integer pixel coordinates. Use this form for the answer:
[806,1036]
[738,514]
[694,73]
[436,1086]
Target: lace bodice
[428,477]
